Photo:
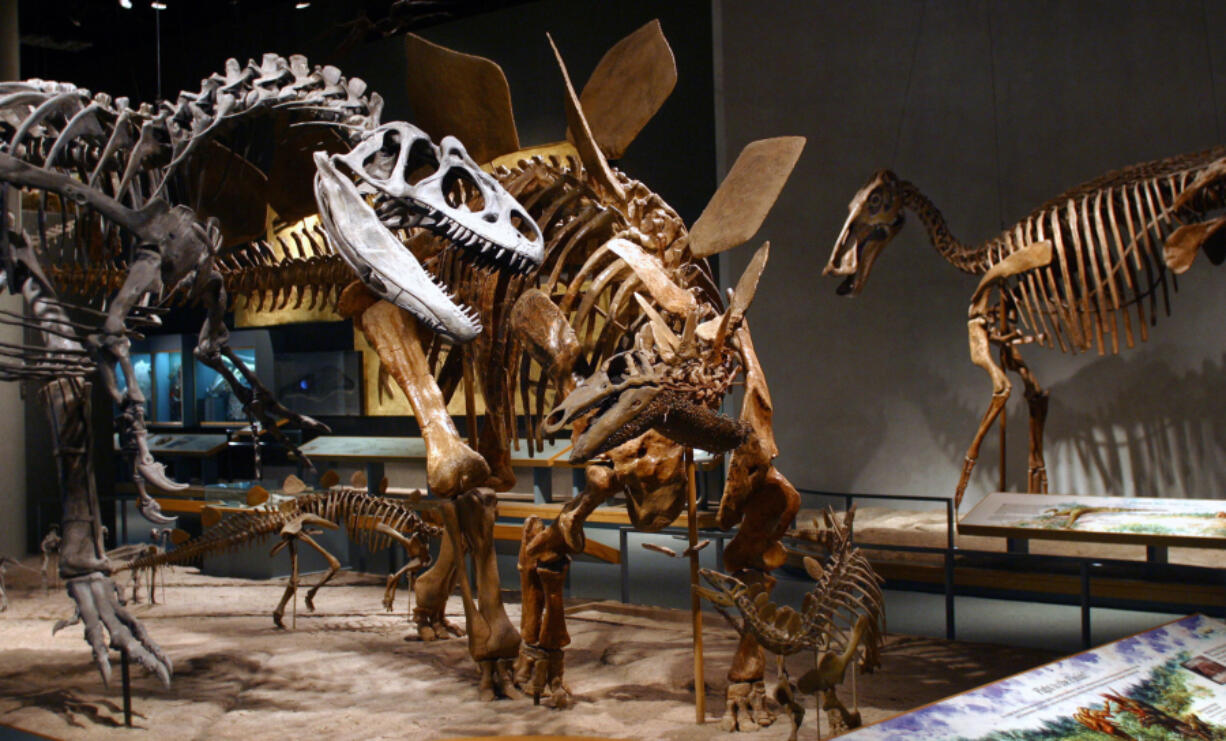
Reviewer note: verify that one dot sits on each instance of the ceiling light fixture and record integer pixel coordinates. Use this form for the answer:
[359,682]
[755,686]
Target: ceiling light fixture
[157,5]
[125,4]
[302,5]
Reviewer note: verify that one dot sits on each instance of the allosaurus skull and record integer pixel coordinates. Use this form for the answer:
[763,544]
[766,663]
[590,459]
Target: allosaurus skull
[412,183]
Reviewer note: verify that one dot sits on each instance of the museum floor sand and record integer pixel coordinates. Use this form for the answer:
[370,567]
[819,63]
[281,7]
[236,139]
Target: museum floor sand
[349,672]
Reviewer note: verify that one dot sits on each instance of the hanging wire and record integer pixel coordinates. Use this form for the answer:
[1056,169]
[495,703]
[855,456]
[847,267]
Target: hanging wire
[1217,117]
[906,95]
[1000,192]
[157,40]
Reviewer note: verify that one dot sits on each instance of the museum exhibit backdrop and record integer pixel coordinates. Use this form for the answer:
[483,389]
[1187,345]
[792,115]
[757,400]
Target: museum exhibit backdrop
[1009,104]
[990,108]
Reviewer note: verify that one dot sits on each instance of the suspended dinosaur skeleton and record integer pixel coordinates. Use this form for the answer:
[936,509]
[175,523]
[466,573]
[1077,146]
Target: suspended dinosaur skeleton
[1076,274]
[142,189]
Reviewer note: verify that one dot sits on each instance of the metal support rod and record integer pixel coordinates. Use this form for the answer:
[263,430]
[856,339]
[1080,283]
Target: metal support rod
[623,535]
[1085,604]
[700,687]
[950,624]
[127,688]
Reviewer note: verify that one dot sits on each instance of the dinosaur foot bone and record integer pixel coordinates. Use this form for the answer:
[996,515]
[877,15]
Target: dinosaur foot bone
[539,671]
[497,680]
[745,708]
[785,695]
[432,625]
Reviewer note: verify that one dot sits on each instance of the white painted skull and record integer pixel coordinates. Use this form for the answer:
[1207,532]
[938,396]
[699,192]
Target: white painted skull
[414,183]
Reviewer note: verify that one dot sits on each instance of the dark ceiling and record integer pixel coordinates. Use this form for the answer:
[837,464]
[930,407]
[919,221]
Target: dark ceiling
[100,45]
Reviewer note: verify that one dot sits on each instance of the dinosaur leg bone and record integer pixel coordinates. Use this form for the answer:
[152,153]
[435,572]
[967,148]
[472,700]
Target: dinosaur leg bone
[82,562]
[1036,399]
[112,346]
[333,567]
[451,465]
[493,641]
[417,554]
[431,590]
[544,558]
[1001,388]
[213,349]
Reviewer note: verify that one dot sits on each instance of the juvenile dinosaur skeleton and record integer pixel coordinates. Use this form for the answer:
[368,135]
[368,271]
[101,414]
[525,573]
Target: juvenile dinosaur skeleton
[843,613]
[374,522]
[606,239]
[1070,275]
[142,187]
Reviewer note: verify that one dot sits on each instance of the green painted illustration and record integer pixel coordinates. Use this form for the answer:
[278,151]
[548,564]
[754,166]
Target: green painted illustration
[1128,519]
[1156,709]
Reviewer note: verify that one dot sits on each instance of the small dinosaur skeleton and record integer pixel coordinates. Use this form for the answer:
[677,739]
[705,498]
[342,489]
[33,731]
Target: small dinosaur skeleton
[843,613]
[1071,275]
[5,562]
[374,522]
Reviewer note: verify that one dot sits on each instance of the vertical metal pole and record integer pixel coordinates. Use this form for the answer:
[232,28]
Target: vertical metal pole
[622,539]
[950,624]
[700,687]
[127,688]
[1004,411]
[1085,604]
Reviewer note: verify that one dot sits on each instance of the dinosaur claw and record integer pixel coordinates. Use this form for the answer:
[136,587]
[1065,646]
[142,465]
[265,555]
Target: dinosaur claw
[152,512]
[154,473]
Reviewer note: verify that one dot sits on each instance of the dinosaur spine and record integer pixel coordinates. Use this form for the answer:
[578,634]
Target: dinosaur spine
[360,512]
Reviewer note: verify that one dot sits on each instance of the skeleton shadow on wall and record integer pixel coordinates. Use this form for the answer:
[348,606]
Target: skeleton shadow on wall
[1124,425]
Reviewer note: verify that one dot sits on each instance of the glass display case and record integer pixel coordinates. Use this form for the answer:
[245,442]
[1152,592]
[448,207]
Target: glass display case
[215,402]
[166,400]
[142,364]
[320,383]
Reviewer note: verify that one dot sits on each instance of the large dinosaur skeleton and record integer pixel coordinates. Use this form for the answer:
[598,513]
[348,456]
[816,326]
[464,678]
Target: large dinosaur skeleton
[611,247]
[1076,274]
[842,614]
[142,187]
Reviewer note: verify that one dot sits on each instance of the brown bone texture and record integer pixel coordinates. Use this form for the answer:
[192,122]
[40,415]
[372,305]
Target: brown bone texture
[451,466]
[491,634]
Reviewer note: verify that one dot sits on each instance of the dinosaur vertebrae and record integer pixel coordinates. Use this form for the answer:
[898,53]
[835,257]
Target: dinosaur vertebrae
[361,513]
[1107,242]
[56,124]
[847,588]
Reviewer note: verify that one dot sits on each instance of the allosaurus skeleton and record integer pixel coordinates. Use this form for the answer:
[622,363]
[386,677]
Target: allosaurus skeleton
[136,184]
[1070,275]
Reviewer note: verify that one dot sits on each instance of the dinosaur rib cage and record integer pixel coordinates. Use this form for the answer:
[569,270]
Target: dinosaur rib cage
[359,512]
[1107,244]
[135,155]
[576,218]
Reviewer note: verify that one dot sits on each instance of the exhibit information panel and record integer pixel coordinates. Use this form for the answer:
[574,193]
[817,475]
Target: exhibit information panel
[1144,521]
[1166,683]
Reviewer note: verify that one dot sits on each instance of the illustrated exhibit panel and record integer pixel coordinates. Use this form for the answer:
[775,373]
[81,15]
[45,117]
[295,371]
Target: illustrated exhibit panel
[1166,683]
[1194,522]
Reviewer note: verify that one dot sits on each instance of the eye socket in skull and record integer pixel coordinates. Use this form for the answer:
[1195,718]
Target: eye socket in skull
[395,179]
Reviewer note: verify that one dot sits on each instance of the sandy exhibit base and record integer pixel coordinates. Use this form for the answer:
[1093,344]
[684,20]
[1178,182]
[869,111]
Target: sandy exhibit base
[353,671]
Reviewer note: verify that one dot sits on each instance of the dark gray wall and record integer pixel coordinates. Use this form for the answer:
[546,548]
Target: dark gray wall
[877,394]
[675,152]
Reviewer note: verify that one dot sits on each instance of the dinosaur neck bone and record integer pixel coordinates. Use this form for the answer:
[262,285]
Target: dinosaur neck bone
[967,258]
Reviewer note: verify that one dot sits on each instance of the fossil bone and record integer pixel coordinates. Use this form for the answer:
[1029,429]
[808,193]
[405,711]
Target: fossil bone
[1076,273]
